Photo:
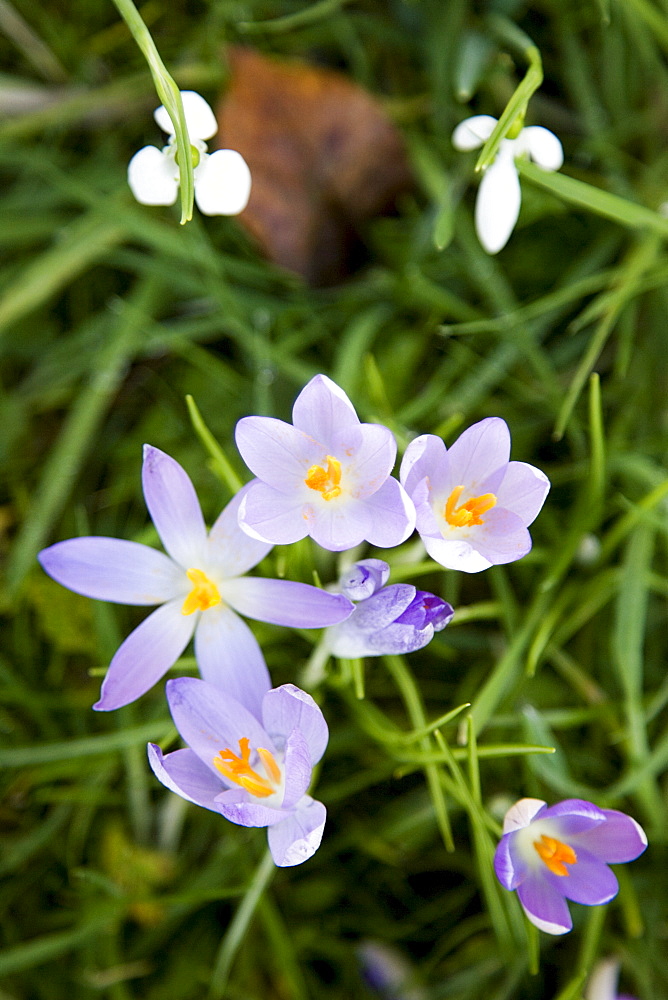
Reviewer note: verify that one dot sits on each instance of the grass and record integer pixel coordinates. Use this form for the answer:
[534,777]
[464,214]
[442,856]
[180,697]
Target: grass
[111,314]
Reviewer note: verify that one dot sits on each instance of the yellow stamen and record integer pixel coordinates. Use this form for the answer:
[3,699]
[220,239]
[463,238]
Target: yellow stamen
[555,855]
[237,768]
[325,482]
[204,595]
[470,512]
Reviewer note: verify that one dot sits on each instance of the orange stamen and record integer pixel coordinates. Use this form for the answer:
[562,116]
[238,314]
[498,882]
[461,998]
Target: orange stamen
[468,513]
[237,768]
[325,481]
[555,855]
[204,595]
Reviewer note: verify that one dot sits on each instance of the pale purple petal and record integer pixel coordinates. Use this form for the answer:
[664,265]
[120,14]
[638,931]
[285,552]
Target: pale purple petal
[456,554]
[589,881]
[323,411]
[373,460]
[200,119]
[425,456]
[111,569]
[236,805]
[617,840]
[273,517]
[498,203]
[543,905]
[229,657]
[574,807]
[277,453]
[297,768]
[153,177]
[146,655]
[222,183]
[391,515]
[480,451]
[209,720]
[364,578]
[285,602]
[184,773]
[510,867]
[298,837]
[288,707]
[381,609]
[174,508]
[473,132]
[338,524]
[523,490]
[502,538]
[230,549]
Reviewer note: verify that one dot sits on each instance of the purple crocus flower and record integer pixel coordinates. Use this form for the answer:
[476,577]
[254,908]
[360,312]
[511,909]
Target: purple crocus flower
[253,767]
[473,505]
[562,852]
[394,619]
[326,475]
[199,586]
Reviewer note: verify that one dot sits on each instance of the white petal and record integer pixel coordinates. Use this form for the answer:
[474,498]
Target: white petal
[543,147]
[602,983]
[521,814]
[473,132]
[498,204]
[152,177]
[222,183]
[200,119]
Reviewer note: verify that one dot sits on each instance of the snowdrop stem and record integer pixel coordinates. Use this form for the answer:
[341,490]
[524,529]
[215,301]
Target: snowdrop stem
[170,97]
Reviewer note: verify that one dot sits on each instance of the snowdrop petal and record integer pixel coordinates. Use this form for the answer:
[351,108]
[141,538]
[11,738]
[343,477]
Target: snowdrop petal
[153,177]
[146,655]
[229,657]
[174,508]
[473,132]
[498,203]
[200,119]
[298,837]
[222,183]
[543,147]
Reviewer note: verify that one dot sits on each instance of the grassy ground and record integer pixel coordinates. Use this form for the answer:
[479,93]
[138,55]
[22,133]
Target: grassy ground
[110,313]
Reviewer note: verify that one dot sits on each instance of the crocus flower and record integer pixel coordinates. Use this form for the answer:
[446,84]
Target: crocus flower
[222,179]
[327,475]
[551,854]
[499,196]
[394,619]
[252,766]
[473,505]
[602,983]
[199,586]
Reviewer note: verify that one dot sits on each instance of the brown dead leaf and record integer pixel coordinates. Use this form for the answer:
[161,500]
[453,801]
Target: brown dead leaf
[323,155]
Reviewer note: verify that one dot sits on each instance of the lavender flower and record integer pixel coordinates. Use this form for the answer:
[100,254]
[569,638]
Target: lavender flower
[394,619]
[253,767]
[473,505]
[562,852]
[327,475]
[199,585]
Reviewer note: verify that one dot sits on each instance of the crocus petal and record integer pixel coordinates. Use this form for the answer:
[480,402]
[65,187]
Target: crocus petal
[425,456]
[200,119]
[323,411]
[523,490]
[544,906]
[270,516]
[543,147]
[589,881]
[222,183]
[364,578]
[522,813]
[510,867]
[184,773]
[153,177]
[111,569]
[174,508]
[602,984]
[574,807]
[457,554]
[298,837]
[146,655]
[392,515]
[278,453]
[374,458]
[473,132]
[340,524]
[617,840]
[480,451]
[297,768]
[498,203]
[285,602]
[236,806]
[229,657]
[230,549]
[502,538]
[209,720]
[288,707]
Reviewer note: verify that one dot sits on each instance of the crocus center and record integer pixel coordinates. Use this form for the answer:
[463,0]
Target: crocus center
[204,595]
[555,855]
[468,513]
[325,481]
[237,768]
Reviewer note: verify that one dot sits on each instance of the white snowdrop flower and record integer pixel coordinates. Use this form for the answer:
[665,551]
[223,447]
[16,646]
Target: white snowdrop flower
[222,179]
[499,196]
